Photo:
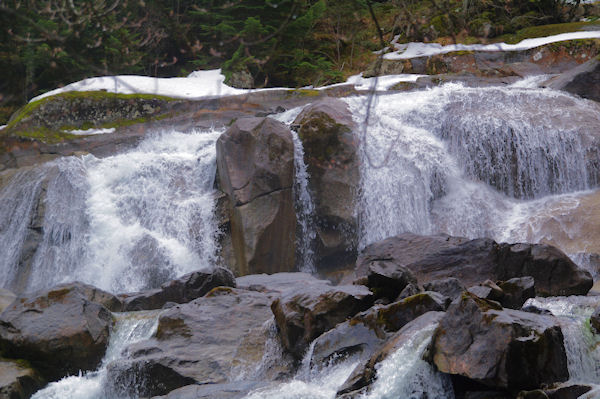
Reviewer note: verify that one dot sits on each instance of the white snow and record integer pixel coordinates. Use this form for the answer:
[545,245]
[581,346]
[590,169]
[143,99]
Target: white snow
[383,82]
[2,127]
[91,131]
[413,50]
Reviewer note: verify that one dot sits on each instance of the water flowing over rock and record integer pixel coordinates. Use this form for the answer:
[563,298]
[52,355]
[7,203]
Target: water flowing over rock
[330,143]
[255,159]
[59,331]
[474,261]
[501,348]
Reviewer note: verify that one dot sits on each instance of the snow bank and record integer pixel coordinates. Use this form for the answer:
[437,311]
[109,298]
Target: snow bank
[88,132]
[383,82]
[413,50]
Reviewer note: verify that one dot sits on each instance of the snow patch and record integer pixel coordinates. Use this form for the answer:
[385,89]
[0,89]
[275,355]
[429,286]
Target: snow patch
[91,131]
[2,127]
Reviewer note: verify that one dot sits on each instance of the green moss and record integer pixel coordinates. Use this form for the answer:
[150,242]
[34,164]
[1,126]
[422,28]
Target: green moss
[543,30]
[304,93]
[219,291]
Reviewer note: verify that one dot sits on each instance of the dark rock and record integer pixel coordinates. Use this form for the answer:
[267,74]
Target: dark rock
[595,320]
[387,279]
[276,284]
[535,394]
[306,312]
[501,348]
[583,80]
[326,129]
[487,395]
[200,342]
[230,390]
[255,166]
[517,291]
[432,258]
[184,289]
[18,380]
[93,294]
[365,372]
[60,331]
[487,290]
[409,290]
[568,391]
[450,287]
[536,310]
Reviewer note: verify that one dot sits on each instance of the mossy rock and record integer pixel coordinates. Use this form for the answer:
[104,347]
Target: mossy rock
[51,118]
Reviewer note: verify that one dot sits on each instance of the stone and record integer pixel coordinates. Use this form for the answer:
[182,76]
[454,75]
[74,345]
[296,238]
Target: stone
[450,287]
[327,132]
[595,320]
[409,290]
[500,348]
[387,279]
[487,290]
[60,331]
[230,390]
[184,289]
[93,294]
[568,391]
[6,298]
[18,380]
[199,342]
[584,80]
[517,291]
[304,313]
[255,169]
[472,262]
[535,394]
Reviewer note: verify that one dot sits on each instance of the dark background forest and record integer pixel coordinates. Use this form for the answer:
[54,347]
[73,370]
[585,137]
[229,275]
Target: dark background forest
[258,43]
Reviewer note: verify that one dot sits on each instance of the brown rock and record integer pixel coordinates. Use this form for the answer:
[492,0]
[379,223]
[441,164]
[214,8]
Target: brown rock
[18,380]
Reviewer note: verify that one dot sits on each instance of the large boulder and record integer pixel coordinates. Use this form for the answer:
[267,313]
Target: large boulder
[255,166]
[330,146]
[501,348]
[229,390]
[436,257]
[305,312]
[583,80]
[200,342]
[60,331]
[18,380]
[181,290]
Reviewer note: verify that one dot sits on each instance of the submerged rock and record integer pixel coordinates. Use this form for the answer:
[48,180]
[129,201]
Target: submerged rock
[182,290]
[501,348]
[18,380]
[327,131]
[436,257]
[60,331]
[255,167]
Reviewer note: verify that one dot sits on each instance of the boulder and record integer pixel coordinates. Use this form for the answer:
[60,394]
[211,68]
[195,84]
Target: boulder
[568,391]
[255,168]
[327,132]
[449,286]
[500,348]
[584,80]
[230,390]
[304,313]
[182,290]
[386,279]
[517,291]
[18,380]
[487,290]
[595,319]
[436,257]
[409,290]
[60,331]
[199,342]
[93,294]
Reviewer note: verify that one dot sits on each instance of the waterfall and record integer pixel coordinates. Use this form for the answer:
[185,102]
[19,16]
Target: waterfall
[128,329]
[123,223]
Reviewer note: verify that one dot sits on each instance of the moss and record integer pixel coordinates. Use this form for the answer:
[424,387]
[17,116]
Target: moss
[304,93]
[219,291]
[543,30]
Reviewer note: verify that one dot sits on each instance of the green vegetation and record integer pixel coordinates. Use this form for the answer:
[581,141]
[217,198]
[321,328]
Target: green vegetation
[545,30]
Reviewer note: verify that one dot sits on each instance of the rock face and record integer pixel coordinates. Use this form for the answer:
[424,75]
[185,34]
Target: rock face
[17,381]
[59,331]
[306,312]
[199,342]
[431,258]
[255,166]
[330,146]
[182,290]
[501,348]
[583,80]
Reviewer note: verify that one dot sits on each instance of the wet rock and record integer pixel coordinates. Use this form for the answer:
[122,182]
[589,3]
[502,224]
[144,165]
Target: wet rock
[306,312]
[365,372]
[536,310]
[595,320]
[568,391]
[517,291]
[409,290]
[436,257]
[450,287]
[487,290]
[60,331]
[386,279]
[199,342]
[184,289]
[330,146]
[535,394]
[583,80]
[231,390]
[18,380]
[276,284]
[255,166]
[501,348]
[6,298]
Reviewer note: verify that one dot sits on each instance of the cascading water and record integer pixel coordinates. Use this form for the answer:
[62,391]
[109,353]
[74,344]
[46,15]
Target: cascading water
[122,223]
[129,328]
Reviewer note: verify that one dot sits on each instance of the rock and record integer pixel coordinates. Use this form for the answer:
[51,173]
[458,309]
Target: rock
[536,310]
[436,257]
[409,290]
[278,283]
[6,298]
[326,129]
[584,80]
[306,312]
[365,372]
[200,342]
[487,290]
[93,294]
[517,291]
[18,380]
[595,320]
[386,279]
[255,166]
[535,394]
[450,287]
[184,289]
[568,391]
[60,331]
[501,348]
[231,390]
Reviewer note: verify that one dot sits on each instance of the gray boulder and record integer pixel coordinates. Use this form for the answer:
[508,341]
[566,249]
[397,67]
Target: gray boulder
[449,286]
[517,291]
[583,80]
[18,380]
